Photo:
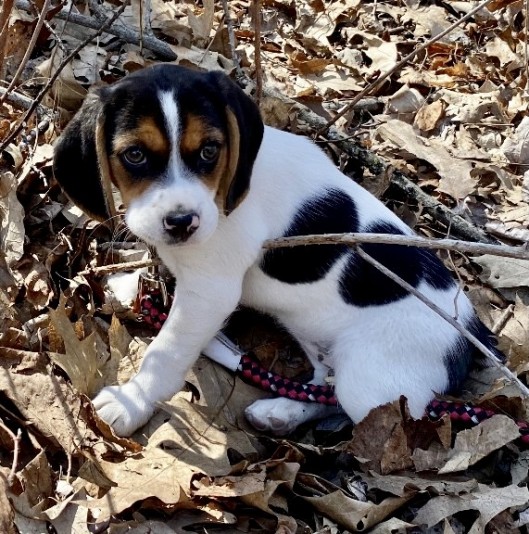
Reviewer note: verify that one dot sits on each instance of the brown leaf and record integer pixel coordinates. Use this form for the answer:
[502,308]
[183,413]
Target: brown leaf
[82,360]
[455,180]
[36,479]
[470,446]
[7,514]
[429,116]
[11,220]
[488,501]
[380,438]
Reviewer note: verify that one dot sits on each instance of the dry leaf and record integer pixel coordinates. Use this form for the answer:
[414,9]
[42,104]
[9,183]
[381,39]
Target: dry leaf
[82,360]
[387,449]
[428,116]
[502,272]
[470,446]
[11,220]
[455,180]
[489,502]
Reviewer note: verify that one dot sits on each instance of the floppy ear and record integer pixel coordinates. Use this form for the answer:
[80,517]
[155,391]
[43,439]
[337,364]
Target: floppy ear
[245,133]
[80,162]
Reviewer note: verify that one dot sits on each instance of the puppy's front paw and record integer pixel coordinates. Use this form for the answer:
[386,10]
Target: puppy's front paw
[281,416]
[125,408]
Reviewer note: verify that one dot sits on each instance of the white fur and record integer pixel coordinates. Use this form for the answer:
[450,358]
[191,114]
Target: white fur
[377,352]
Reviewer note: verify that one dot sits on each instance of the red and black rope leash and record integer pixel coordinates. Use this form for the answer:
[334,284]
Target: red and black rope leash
[153,306]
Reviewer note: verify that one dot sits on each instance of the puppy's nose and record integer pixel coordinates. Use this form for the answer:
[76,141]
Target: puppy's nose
[181,226]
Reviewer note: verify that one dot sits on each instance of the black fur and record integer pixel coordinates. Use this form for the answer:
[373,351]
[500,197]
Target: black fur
[334,212]
[362,284]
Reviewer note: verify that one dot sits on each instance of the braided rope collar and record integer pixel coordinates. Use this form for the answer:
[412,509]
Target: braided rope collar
[153,305]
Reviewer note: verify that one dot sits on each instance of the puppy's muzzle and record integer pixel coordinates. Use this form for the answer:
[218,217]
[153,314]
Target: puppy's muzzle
[180,226]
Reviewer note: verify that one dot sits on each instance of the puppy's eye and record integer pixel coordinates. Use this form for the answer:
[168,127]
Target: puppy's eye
[134,156]
[209,152]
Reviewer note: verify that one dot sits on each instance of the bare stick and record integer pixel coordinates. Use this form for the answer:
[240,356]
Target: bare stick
[57,73]
[125,33]
[29,50]
[16,448]
[25,102]
[257,51]
[400,64]
[117,267]
[231,38]
[7,7]
[461,329]
[505,251]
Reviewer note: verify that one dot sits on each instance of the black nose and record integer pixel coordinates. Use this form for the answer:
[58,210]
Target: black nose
[181,226]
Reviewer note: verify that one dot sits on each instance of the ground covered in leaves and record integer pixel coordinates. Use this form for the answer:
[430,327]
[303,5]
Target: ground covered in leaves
[452,119]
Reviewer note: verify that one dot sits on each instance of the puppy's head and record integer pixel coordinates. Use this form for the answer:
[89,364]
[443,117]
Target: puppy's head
[179,144]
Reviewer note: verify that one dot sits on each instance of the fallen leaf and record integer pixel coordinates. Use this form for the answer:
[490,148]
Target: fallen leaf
[488,501]
[429,115]
[455,180]
[470,446]
[82,359]
[11,220]
[502,272]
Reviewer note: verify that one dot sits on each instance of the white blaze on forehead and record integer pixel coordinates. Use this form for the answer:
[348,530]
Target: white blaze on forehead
[172,123]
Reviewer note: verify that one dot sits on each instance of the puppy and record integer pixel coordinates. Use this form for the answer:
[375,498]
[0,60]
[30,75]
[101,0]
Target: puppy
[206,184]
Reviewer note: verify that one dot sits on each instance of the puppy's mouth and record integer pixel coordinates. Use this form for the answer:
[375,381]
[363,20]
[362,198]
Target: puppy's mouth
[179,227]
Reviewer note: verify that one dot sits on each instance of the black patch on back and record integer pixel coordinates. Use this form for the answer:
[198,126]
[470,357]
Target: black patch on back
[333,212]
[361,284]
[464,355]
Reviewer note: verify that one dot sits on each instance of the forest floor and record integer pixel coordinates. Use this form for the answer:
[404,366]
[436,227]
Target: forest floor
[442,138]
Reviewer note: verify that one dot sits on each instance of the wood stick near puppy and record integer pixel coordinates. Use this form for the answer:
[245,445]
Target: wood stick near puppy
[207,184]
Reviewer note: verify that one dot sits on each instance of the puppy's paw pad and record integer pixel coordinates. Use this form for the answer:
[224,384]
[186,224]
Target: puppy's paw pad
[122,408]
[279,416]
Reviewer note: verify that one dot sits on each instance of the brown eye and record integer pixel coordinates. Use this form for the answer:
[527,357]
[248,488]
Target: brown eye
[134,156]
[209,152]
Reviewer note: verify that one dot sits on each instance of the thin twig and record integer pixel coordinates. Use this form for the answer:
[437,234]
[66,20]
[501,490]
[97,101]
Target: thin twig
[257,51]
[502,319]
[125,33]
[461,329]
[231,38]
[5,12]
[25,102]
[117,267]
[57,73]
[29,49]
[49,27]
[350,240]
[505,251]
[400,64]
[16,448]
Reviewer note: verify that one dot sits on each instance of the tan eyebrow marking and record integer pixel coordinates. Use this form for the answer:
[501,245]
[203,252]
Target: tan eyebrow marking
[147,134]
[196,131]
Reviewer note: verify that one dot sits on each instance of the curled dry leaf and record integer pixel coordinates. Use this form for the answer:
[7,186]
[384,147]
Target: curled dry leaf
[488,501]
[11,220]
[82,360]
[470,446]
[455,180]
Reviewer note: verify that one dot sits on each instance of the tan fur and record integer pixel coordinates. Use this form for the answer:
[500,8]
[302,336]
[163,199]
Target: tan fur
[104,169]
[196,132]
[147,135]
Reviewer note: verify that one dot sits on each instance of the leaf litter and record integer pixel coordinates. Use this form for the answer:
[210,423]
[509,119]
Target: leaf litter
[453,119]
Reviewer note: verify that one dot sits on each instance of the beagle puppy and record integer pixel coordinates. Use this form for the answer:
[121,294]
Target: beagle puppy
[206,183]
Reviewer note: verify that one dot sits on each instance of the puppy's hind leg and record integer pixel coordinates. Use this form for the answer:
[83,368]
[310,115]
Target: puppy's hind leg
[282,416]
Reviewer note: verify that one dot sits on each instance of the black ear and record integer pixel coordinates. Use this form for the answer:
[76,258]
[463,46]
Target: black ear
[246,129]
[80,158]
